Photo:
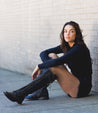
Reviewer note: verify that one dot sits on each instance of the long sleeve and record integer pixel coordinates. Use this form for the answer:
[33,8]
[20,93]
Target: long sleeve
[44,55]
[66,58]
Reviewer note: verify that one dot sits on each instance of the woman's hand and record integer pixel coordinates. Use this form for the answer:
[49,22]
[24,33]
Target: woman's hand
[36,72]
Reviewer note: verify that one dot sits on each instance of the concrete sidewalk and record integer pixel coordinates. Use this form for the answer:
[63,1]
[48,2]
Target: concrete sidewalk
[59,102]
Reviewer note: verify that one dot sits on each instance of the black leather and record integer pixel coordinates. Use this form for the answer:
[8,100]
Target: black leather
[44,80]
[41,94]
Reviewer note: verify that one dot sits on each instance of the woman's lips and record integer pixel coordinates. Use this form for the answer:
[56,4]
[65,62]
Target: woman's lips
[67,37]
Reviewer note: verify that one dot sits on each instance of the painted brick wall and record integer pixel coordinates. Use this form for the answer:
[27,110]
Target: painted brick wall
[29,26]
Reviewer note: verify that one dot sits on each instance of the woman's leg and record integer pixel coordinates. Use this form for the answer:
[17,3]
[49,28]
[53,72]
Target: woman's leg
[41,81]
[68,82]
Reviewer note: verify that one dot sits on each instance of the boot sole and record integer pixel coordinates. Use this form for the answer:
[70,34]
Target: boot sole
[40,98]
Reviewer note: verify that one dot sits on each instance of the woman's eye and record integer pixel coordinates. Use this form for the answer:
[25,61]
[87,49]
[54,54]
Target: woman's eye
[72,31]
[65,31]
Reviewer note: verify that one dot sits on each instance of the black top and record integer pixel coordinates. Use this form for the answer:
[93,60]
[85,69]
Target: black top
[77,58]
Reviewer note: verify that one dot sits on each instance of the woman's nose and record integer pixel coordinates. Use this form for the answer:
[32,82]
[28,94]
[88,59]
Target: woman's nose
[67,33]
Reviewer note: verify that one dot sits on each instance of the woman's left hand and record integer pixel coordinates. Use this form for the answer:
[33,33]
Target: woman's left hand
[36,72]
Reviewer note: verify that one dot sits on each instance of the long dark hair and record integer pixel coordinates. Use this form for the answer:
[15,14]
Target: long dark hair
[78,39]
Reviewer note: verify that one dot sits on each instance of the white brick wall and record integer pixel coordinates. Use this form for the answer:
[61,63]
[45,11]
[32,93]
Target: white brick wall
[29,26]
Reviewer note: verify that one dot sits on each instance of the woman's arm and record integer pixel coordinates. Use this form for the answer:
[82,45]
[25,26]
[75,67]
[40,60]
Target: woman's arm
[45,54]
[69,56]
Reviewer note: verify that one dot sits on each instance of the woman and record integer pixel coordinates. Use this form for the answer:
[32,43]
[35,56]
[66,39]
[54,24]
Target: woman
[76,83]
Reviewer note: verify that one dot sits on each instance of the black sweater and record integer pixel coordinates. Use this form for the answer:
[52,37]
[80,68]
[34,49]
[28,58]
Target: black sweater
[77,58]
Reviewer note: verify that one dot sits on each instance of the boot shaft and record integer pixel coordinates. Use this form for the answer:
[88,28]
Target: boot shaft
[44,80]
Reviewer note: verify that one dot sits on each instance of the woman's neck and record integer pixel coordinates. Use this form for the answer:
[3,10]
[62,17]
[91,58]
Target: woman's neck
[71,44]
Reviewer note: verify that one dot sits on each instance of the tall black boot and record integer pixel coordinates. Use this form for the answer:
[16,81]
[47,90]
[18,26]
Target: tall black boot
[40,94]
[41,81]
[42,72]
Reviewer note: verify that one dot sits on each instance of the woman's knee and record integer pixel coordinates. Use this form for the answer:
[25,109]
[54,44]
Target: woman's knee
[54,70]
[53,55]
[58,69]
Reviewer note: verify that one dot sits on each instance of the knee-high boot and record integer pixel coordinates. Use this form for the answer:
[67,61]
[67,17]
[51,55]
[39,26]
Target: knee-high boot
[41,81]
[40,94]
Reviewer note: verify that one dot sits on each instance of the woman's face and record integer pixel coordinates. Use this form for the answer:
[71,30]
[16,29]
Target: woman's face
[69,34]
